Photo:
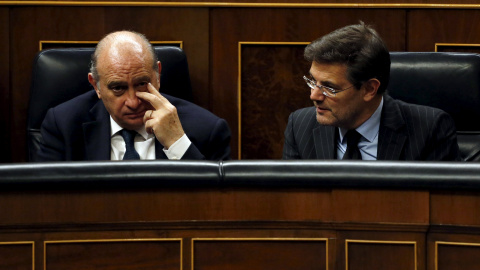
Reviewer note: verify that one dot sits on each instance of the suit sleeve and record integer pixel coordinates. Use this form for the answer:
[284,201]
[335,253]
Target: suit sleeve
[52,146]
[216,147]
[443,145]
[290,148]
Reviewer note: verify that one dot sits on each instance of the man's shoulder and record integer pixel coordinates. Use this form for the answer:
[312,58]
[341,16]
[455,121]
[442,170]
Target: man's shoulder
[303,112]
[411,109]
[82,101]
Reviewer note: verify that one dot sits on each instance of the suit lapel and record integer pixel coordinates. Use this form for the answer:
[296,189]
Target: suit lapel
[391,137]
[97,134]
[324,140]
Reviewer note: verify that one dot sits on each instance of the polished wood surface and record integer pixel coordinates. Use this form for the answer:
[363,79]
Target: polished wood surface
[238,228]
[250,215]
[211,33]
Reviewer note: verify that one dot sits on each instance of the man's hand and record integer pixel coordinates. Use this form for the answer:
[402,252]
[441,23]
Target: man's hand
[163,121]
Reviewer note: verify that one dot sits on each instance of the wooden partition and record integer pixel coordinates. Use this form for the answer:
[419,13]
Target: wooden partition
[245,56]
[240,215]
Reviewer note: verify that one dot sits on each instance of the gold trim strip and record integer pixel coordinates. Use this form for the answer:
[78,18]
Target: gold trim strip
[414,243]
[23,243]
[111,241]
[437,243]
[41,42]
[233,5]
[259,239]
[239,83]
[437,45]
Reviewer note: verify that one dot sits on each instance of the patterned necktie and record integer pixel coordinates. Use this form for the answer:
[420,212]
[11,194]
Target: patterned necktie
[130,152]
[352,151]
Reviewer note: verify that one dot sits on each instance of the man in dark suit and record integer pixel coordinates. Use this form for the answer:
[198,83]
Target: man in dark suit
[126,117]
[352,117]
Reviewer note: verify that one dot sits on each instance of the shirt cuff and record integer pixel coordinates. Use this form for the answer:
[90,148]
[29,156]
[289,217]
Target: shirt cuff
[178,148]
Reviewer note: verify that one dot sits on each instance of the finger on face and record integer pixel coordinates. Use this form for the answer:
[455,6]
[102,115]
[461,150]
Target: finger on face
[147,116]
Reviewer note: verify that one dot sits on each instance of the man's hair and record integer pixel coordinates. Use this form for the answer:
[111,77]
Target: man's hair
[360,48]
[106,40]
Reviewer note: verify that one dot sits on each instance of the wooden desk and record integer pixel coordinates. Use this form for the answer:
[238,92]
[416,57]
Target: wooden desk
[240,215]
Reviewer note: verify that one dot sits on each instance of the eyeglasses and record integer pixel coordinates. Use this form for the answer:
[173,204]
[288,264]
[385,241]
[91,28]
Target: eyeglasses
[327,91]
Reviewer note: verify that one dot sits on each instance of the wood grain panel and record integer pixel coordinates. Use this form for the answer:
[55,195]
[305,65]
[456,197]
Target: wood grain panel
[16,255]
[456,255]
[392,255]
[455,208]
[118,254]
[427,27]
[381,206]
[161,205]
[5,104]
[260,254]
[271,88]
[291,25]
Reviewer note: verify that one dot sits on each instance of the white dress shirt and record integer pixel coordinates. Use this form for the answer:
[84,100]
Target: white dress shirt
[144,144]
[368,143]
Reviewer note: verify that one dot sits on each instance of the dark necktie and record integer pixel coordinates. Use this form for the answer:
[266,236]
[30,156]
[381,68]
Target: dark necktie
[352,151]
[130,152]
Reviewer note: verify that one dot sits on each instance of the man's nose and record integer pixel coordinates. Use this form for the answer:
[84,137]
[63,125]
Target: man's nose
[132,100]
[317,94]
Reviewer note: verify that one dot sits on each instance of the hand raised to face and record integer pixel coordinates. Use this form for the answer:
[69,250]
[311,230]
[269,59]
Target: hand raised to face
[163,120]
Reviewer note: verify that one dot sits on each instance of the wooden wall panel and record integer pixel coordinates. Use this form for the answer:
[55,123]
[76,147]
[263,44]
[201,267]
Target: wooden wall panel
[291,25]
[456,255]
[260,254]
[113,254]
[455,208]
[271,88]
[390,255]
[16,256]
[385,206]
[5,105]
[427,27]
[158,205]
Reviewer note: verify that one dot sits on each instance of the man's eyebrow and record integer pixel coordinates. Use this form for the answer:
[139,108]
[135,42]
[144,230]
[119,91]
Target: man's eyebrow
[142,79]
[116,83]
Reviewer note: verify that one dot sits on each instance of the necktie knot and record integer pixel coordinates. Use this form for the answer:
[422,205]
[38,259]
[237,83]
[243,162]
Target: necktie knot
[352,152]
[129,138]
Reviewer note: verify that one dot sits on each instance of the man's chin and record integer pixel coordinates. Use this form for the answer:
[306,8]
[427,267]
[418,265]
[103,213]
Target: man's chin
[132,124]
[322,120]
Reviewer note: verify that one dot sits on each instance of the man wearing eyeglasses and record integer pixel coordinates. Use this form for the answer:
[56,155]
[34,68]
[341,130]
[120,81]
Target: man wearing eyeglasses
[352,117]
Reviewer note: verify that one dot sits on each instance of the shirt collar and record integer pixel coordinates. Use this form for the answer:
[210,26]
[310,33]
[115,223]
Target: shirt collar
[115,128]
[369,129]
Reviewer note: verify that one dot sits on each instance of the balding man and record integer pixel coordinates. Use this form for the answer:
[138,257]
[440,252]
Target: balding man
[126,117]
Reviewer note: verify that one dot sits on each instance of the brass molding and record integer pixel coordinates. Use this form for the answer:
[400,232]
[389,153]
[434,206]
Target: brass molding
[260,239]
[42,43]
[439,45]
[23,243]
[111,241]
[239,82]
[347,241]
[437,243]
[235,5]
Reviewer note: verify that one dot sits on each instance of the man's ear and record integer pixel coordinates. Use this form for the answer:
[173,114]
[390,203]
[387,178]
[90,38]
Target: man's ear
[371,88]
[159,72]
[92,81]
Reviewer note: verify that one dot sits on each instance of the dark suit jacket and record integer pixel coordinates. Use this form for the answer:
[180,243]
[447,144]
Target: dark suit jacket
[79,129]
[407,132]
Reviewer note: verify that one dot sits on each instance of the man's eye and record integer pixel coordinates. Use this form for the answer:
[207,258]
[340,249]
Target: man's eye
[118,89]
